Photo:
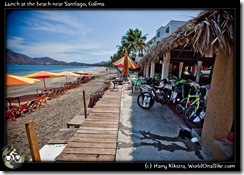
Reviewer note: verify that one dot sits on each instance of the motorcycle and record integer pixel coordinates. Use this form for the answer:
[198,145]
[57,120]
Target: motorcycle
[149,95]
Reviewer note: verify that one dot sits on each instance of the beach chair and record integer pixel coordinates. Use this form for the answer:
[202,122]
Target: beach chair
[37,103]
[10,115]
[51,95]
[19,111]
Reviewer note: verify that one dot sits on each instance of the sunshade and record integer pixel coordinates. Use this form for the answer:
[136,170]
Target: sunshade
[126,63]
[19,80]
[81,72]
[67,73]
[43,75]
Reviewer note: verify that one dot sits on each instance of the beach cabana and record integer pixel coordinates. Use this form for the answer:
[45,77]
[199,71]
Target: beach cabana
[209,35]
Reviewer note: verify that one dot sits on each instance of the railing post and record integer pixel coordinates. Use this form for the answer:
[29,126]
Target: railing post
[84,99]
[33,143]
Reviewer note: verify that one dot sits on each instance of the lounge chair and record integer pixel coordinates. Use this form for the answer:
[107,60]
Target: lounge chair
[10,115]
[19,111]
[36,103]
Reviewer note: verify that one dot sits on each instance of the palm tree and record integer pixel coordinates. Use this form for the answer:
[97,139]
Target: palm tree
[133,42]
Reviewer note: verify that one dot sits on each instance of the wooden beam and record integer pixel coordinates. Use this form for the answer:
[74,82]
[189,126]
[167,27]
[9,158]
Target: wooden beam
[32,139]
[182,50]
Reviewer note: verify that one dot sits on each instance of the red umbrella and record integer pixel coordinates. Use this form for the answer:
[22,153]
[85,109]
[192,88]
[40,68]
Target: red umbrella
[126,63]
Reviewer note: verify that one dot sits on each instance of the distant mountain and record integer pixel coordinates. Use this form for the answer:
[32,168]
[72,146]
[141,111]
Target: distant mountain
[18,58]
[78,64]
[102,63]
[47,60]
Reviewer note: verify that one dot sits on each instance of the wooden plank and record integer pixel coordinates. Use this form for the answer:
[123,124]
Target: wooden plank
[71,150]
[94,140]
[90,135]
[85,157]
[106,109]
[62,136]
[105,119]
[114,93]
[76,121]
[98,104]
[114,122]
[91,145]
[85,131]
[110,100]
[103,115]
[99,128]
[101,125]
[112,96]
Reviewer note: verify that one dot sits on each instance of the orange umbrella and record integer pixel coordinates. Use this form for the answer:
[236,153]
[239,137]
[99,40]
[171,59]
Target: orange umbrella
[43,75]
[66,73]
[126,63]
[19,80]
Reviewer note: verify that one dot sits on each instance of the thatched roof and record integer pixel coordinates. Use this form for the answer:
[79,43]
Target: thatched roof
[210,31]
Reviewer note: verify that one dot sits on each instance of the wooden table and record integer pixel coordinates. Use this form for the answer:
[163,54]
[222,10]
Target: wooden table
[9,99]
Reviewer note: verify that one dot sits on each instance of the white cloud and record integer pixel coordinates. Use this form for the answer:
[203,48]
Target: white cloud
[80,51]
[57,22]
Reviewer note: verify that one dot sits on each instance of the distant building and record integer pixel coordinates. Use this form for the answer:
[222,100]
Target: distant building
[165,31]
[162,32]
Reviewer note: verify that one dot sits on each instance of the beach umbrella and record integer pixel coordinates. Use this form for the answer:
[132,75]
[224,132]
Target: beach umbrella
[126,63]
[81,72]
[43,75]
[19,80]
[66,73]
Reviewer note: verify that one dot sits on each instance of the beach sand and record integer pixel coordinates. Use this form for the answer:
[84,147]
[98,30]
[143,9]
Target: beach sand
[54,115]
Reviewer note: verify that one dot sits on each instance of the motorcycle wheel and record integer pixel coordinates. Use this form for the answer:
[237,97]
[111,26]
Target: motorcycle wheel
[188,117]
[145,100]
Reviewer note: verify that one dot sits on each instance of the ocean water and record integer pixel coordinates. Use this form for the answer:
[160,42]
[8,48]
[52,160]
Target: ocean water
[21,70]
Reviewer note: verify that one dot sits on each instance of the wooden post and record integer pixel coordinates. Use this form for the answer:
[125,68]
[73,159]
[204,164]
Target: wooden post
[84,99]
[32,139]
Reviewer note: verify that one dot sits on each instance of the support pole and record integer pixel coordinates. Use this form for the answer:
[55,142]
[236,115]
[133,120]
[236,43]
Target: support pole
[84,99]
[32,139]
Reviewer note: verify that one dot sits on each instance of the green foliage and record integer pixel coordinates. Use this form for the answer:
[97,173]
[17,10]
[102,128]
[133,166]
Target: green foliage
[133,42]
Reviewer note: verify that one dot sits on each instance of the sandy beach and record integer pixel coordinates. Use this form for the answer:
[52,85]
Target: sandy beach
[54,115]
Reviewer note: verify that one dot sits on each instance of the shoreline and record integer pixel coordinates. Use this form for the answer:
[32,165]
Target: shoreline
[54,115]
[21,90]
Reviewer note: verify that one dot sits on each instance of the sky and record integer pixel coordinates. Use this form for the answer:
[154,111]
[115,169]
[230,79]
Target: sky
[85,36]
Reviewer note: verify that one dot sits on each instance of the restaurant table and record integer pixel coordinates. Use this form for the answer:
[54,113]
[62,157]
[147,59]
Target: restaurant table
[137,83]
[9,99]
[117,81]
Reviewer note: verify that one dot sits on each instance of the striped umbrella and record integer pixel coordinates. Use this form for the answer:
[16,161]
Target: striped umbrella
[43,75]
[19,80]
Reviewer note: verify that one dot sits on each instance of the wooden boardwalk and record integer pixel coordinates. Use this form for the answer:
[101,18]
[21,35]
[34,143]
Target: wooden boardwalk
[96,138]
